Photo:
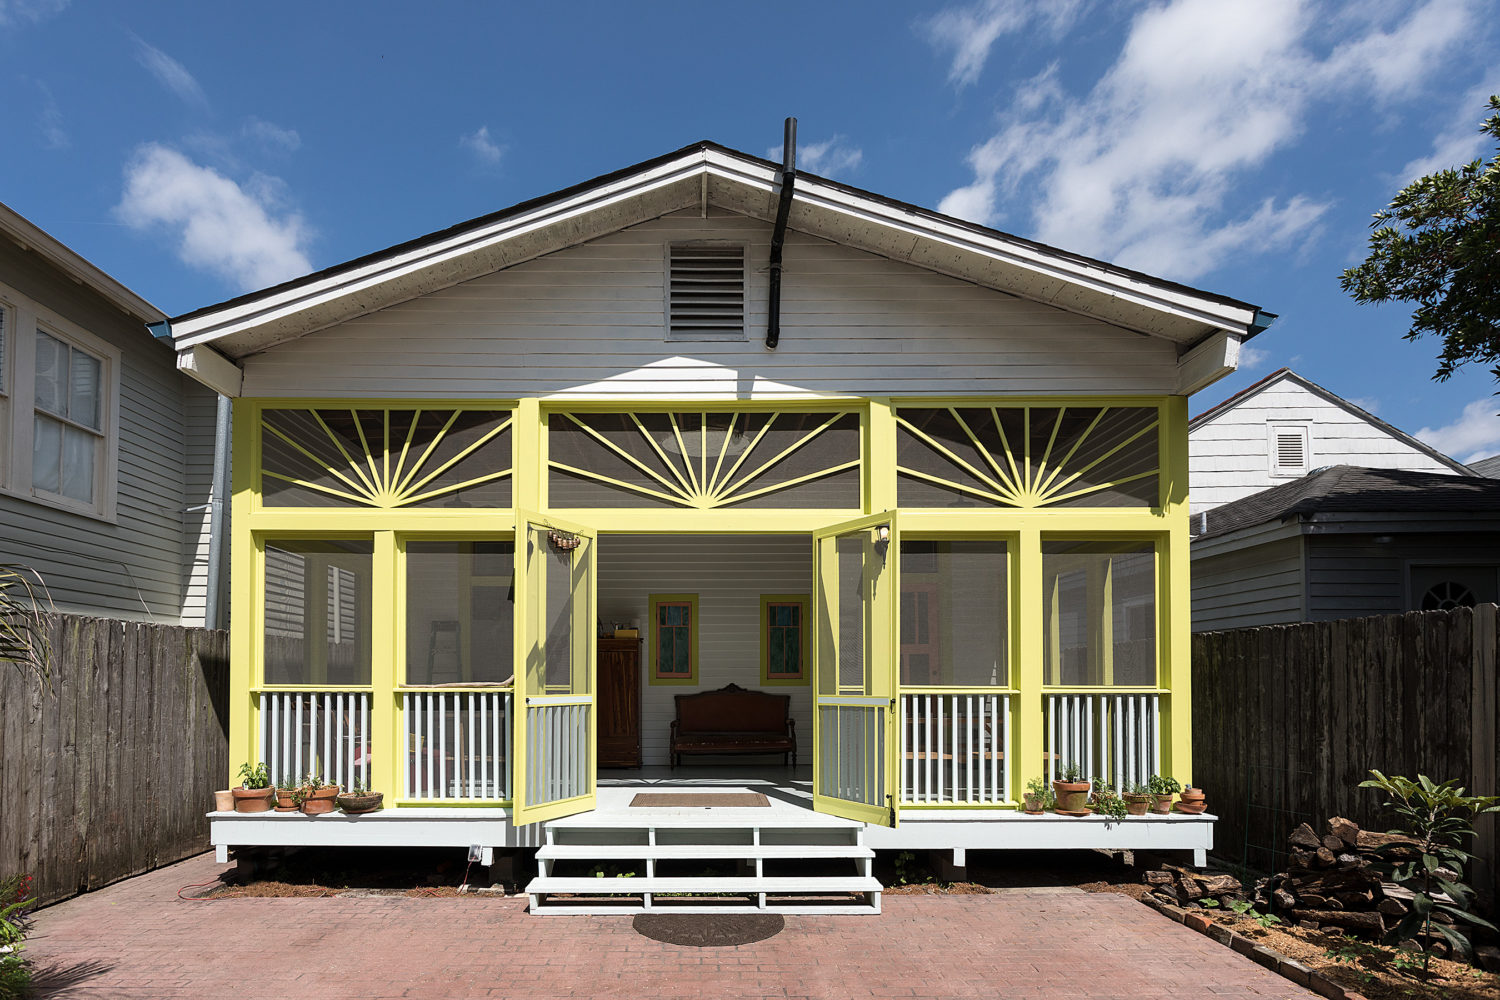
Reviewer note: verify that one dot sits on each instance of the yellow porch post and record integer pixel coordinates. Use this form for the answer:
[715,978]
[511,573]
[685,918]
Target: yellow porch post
[387,741]
[1027,749]
[880,457]
[529,459]
[1178,621]
[243,719]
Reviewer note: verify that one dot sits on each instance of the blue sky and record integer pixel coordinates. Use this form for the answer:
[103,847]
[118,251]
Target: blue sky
[197,150]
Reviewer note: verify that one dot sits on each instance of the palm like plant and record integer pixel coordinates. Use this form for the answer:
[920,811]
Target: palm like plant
[24,636]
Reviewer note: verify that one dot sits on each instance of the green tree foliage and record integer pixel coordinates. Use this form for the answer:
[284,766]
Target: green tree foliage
[1438,245]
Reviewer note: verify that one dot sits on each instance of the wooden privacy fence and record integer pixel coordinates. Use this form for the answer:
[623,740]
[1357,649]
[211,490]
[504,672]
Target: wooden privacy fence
[110,773]
[1288,719]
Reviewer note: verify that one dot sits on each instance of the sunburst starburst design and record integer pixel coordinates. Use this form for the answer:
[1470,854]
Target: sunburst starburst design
[386,458]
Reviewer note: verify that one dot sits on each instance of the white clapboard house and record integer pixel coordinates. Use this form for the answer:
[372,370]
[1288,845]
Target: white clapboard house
[503,493]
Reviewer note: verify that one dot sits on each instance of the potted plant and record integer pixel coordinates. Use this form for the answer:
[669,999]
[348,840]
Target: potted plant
[224,800]
[1038,798]
[286,796]
[315,797]
[360,799]
[1137,798]
[1162,789]
[1072,791]
[254,793]
[1106,802]
[1192,801]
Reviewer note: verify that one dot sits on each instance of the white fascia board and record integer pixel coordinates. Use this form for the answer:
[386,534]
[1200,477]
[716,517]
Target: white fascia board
[222,323]
[27,235]
[1211,360]
[1177,302]
[213,369]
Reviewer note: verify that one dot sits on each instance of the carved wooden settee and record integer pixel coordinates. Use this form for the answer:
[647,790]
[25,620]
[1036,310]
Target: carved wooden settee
[733,720]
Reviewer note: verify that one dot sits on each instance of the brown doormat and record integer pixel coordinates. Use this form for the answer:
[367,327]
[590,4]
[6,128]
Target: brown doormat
[696,800]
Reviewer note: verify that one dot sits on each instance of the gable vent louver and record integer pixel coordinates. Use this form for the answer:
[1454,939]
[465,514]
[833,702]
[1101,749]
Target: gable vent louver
[1290,453]
[706,295]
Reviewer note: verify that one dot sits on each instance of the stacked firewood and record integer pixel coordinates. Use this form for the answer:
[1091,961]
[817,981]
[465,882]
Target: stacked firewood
[1185,887]
[1332,881]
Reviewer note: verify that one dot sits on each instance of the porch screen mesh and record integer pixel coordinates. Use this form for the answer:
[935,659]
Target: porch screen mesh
[317,612]
[851,551]
[460,602]
[1085,456]
[704,460]
[385,458]
[1099,613]
[954,613]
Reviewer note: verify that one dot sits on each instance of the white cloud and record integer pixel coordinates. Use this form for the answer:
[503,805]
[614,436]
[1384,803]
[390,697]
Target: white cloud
[971,31]
[1474,435]
[170,73]
[1462,141]
[832,156]
[50,121]
[1252,358]
[271,136]
[482,146]
[13,12]
[1367,403]
[241,233]
[1141,169]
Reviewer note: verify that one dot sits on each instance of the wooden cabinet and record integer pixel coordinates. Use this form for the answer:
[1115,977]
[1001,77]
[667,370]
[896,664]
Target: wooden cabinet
[619,702]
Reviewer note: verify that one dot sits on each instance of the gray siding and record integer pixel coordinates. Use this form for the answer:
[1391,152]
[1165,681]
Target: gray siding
[134,567]
[1260,585]
[728,574]
[1353,576]
[590,321]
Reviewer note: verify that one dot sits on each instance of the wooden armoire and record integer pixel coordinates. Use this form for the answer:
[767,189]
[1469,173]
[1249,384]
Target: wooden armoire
[619,702]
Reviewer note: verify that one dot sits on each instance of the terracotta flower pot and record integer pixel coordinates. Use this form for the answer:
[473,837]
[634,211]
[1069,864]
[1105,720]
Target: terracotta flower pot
[1161,803]
[252,800]
[1193,801]
[223,801]
[286,800]
[1072,796]
[1032,804]
[320,800]
[1136,804]
[369,802]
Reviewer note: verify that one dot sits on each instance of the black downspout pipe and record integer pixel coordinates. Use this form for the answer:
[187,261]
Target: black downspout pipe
[778,234]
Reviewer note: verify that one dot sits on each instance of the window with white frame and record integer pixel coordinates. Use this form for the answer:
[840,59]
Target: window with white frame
[58,391]
[1289,450]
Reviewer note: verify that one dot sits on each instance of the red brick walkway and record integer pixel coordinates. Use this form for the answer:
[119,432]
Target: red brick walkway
[136,940]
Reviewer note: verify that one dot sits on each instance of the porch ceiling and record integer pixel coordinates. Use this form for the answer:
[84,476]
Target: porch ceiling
[701,176]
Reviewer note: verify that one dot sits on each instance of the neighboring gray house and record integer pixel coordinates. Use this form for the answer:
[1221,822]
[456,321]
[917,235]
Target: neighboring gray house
[106,450]
[1282,428]
[1347,542]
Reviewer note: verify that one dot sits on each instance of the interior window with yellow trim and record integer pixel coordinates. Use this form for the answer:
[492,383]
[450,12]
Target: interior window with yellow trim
[1100,610]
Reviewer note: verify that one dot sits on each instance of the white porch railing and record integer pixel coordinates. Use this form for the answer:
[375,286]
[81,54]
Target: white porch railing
[852,748]
[326,733]
[953,749]
[1112,736]
[558,762]
[457,745]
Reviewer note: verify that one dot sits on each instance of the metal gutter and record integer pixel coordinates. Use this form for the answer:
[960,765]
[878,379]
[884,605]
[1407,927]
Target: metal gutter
[218,530]
[778,234]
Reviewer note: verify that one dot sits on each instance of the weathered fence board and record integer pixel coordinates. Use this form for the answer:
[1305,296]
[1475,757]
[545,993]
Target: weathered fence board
[110,773]
[1288,719]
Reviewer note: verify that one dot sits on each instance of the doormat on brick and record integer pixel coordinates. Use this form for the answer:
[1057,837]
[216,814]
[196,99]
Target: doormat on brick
[696,800]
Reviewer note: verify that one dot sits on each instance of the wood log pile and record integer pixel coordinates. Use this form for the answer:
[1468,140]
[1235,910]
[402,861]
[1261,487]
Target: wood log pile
[1186,887]
[1332,881]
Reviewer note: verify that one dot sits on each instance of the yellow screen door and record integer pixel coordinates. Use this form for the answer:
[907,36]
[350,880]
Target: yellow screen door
[554,723]
[855,656]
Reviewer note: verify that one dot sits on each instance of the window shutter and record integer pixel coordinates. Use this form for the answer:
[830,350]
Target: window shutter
[706,292]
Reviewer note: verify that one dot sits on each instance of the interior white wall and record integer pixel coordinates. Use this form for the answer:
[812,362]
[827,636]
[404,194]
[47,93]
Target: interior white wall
[729,573]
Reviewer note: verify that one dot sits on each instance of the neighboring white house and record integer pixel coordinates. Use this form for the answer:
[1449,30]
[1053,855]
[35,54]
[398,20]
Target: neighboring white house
[1283,427]
[106,450]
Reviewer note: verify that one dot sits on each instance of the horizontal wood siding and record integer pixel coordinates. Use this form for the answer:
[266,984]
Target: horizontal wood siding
[590,320]
[1350,576]
[1255,586]
[133,568]
[1229,456]
[110,774]
[729,574]
[1287,720]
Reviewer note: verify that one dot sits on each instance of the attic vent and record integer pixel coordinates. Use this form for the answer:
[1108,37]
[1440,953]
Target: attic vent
[706,293]
[1289,451]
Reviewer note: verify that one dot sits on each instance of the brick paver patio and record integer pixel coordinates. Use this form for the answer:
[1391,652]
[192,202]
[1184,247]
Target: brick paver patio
[137,940]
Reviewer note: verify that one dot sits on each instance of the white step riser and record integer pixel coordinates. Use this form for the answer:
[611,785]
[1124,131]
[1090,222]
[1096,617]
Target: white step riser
[699,852]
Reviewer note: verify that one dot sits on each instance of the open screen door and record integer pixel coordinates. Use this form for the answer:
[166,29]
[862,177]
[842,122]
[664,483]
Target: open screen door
[553,750]
[854,669]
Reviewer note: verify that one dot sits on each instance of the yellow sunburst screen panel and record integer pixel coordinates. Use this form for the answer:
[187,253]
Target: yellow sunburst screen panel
[385,458]
[1028,456]
[704,460]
